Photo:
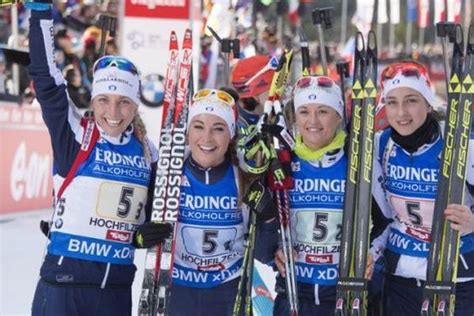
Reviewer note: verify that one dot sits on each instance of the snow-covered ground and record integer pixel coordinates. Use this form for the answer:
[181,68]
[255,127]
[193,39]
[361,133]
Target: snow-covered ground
[22,248]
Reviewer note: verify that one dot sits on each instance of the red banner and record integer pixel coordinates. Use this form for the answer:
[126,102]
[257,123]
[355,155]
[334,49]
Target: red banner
[25,160]
[164,9]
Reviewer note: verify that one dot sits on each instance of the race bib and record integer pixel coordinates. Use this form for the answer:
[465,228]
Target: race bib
[322,227]
[124,202]
[417,212]
[208,242]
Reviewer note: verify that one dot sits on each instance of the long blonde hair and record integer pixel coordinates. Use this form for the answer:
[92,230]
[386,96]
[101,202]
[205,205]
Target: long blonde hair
[139,130]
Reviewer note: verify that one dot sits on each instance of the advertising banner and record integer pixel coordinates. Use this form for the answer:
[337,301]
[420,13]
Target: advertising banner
[25,160]
[145,29]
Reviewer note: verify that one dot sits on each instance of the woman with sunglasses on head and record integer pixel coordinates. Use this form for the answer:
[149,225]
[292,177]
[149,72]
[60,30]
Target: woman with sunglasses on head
[408,156]
[103,166]
[319,167]
[211,223]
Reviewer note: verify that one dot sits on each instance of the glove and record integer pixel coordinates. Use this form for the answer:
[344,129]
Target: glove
[279,177]
[150,234]
[259,199]
[38,5]
[45,227]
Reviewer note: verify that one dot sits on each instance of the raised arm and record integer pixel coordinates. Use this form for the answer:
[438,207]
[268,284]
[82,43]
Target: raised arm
[58,113]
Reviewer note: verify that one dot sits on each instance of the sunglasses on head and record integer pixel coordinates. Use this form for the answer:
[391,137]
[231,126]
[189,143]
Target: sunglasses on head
[321,81]
[114,61]
[218,94]
[407,69]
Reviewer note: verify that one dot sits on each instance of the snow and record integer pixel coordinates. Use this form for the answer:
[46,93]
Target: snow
[22,247]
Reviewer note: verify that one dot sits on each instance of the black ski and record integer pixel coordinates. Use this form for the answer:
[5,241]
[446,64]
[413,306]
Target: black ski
[439,297]
[352,285]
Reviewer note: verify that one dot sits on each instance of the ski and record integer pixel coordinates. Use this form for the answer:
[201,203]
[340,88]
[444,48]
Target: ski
[351,296]
[439,290]
[147,299]
[262,298]
[156,288]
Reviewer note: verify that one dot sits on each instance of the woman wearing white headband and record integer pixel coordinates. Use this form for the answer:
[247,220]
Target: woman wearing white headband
[103,167]
[211,225]
[408,154]
[316,203]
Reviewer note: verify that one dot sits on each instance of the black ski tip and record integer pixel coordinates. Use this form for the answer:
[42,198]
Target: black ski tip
[360,43]
[456,35]
[470,40]
[372,40]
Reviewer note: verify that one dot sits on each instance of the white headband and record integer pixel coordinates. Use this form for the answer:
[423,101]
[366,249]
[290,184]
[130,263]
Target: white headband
[419,83]
[314,93]
[112,80]
[212,105]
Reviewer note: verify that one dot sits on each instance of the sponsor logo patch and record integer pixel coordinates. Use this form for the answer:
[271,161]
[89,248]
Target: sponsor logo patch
[119,236]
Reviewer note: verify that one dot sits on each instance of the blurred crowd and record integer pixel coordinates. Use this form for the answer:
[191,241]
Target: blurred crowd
[77,42]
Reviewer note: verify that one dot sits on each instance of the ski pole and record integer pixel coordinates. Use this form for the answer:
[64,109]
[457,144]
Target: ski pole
[323,17]
[107,24]
[305,57]
[227,45]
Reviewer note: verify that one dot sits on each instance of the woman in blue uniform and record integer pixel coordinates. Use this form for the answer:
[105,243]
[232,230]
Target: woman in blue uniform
[211,224]
[408,155]
[316,202]
[103,167]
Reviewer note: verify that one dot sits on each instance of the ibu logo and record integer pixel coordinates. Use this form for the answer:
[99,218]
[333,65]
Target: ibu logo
[112,87]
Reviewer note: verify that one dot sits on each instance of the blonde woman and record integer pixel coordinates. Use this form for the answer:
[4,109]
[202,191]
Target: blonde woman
[103,167]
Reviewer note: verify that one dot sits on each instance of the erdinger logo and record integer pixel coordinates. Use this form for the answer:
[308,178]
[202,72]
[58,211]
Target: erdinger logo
[312,97]
[119,236]
[112,87]
[319,259]
[209,109]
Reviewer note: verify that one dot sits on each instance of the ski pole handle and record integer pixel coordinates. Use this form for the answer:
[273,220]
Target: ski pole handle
[322,17]
[107,24]
[305,57]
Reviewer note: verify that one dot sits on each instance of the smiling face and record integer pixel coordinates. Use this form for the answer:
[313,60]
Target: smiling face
[113,113]
[406,110]
[317,124]
[208,138]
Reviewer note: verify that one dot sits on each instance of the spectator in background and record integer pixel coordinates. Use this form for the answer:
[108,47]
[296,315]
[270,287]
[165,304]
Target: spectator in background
[111,47]
[87,61]
[78,93]
[63,41]
[247,46]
